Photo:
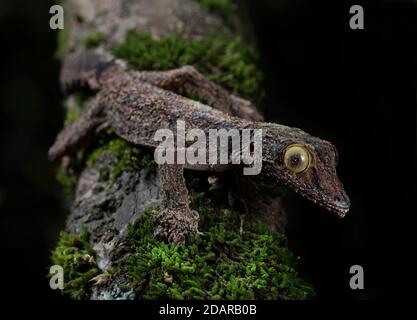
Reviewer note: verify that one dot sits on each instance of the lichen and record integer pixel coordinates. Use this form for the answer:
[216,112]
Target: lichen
[76,256]
[221,264]
[228,62]
[123,156]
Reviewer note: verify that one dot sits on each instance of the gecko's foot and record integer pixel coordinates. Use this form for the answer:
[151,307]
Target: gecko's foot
[174,224]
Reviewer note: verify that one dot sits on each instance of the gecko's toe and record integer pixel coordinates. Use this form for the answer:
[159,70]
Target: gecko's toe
[175,224]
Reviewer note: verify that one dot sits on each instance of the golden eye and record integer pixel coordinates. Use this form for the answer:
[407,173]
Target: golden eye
[297,158]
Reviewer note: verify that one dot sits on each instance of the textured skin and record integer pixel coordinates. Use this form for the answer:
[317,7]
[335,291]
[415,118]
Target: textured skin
[136,104]
[175,219]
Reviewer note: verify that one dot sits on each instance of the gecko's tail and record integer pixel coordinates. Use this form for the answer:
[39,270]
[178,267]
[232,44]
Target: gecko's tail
[83,69]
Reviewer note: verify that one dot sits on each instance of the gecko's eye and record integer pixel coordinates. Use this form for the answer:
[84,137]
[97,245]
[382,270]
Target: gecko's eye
[297,158]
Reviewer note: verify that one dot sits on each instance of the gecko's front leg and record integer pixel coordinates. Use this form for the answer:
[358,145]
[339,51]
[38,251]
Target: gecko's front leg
[175,220]
[84,130]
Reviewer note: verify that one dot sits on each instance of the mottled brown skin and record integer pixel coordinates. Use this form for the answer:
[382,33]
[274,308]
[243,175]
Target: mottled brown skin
[175,219]
[136,104]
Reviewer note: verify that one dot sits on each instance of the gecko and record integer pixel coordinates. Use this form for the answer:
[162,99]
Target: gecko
[135,104]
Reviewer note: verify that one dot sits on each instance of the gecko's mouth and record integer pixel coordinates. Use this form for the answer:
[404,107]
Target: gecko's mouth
[339,207]
[338,204]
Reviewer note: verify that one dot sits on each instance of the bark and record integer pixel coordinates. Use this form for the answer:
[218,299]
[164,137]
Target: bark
[107,209]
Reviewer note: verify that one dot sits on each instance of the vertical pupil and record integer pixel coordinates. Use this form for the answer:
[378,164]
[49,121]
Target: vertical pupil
[295,160]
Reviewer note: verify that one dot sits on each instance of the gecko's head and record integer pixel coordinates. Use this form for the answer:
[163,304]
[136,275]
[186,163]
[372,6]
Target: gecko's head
[308,166]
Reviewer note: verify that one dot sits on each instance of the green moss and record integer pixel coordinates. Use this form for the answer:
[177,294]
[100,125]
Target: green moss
[229,62]
[221,264]
[73,114]
[67,181]
[62,43]
[66,176]
[123,157]
[76,256]
[74,109]
[92,41]
[225,8]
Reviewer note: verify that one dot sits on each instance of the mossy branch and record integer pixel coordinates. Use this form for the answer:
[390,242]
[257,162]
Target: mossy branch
[237,257]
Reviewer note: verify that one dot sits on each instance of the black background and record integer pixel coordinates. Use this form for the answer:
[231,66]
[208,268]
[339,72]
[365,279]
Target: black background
[356,88]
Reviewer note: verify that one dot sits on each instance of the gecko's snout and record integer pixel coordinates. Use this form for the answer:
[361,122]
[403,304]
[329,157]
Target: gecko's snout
[330,196]
[311,171]
[339,204]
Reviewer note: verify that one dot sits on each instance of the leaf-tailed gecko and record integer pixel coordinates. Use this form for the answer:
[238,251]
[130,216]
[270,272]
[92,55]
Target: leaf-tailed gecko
[135,104]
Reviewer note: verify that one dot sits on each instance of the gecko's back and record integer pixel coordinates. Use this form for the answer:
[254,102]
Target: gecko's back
[137,109]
